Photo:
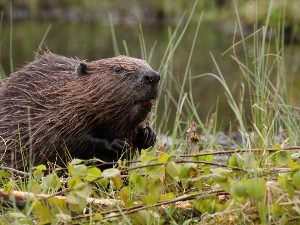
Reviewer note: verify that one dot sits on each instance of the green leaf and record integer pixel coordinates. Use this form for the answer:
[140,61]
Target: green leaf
[58,205]
[38,171]
[41,167]
[163,157]
[52,181]
[155,188]
[82,189]
[296,180]
[276,210]
[97,217]
[139,182]
[77,203]
[233,161]
[281,158]
[173,169]
[117,182]
[188,170]
[34,187]
[256,188]
[283,182]
[92,174]
[72,182]
[145,217]
[71,198]
[206,205]
[221,175]
[42,213]
[206,158]
[239,190]
[124,193]
[155,172]
[77,171]
[167,196]
[103,182]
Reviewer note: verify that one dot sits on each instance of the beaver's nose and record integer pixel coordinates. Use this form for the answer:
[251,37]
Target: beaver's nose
[151,77]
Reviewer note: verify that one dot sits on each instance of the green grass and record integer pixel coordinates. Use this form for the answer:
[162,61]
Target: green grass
[257,182]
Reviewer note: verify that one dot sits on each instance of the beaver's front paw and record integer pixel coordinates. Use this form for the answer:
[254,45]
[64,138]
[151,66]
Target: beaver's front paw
[145,138]
[117,145]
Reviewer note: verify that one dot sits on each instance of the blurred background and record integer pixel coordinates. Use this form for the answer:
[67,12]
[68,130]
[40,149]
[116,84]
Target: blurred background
[83,29]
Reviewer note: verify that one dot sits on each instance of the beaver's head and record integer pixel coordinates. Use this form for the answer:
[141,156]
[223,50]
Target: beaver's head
[130,85]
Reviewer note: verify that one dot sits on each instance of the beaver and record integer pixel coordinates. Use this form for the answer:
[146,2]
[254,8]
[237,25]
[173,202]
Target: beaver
[55,107]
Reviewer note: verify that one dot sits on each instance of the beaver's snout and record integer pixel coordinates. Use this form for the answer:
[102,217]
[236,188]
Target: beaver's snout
[151,77]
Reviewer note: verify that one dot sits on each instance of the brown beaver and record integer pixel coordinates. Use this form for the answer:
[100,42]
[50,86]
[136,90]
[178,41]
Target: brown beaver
[90,109]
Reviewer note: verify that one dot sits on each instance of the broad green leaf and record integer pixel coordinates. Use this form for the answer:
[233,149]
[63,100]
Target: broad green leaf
[145,217]
[82,189]
[163,157]
[256,188]
[72,182]
[155,172]
[296,179]
[206,205]
[71,198]
[124,193]
[77,203]
[206,158]
[40,167]
[155,188]
[281,158]
[139,182]
[276,210]
[58,205]
[117,182]
[199,184]
[239,190]
[52,181]
[77,171]
[34,187]
[38,171]
[188,170]
[167,196]
[103,182]
[283,182]
[42,213]
[92,174]
[221,175]
[173,169]
[150,199]
[233,161]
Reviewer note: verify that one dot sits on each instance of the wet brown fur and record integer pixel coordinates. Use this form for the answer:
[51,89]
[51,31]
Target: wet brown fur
[46,106]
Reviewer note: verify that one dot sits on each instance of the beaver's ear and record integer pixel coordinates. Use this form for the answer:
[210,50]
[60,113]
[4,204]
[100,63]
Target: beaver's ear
[82,69]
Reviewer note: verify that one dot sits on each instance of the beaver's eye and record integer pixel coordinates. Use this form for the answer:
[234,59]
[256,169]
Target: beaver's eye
[118,69]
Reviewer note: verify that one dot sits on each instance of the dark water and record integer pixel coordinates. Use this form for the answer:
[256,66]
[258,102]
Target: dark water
[93,41]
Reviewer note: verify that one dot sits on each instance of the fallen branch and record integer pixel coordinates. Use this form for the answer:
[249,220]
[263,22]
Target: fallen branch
[23,196]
